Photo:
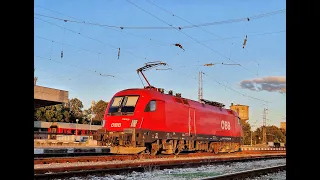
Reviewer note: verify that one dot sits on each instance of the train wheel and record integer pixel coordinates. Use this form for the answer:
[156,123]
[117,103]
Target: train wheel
[216,148]
[233,148]
[215,151]
[177,152]
[145,152]
[179,147]
[210,149]
[154,149]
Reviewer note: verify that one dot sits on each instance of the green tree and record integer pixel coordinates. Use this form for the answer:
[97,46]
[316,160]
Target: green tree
[273,134]
[66,115]
[39,114]
[52,113]
[56,110]
[75,106]
[86,115]
[49,115]
[283,131]
[87,112]
[246,128]
[99,109]
[258,136]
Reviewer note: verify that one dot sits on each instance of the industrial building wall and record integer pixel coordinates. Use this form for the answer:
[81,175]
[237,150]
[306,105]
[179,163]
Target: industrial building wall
[242,110]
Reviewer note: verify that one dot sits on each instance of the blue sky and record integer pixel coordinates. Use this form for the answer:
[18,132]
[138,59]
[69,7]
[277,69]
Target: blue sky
[90,49]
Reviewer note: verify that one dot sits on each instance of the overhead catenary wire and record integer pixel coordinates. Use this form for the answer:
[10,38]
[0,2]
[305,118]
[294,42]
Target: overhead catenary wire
[112,46]
[93,71]
[58,76]
[265,102]
[63,34]
[51,49]
[170,68]
[78,33]
[218,39]
[206,64]
[55,11]
[235,20]
[239,19]
[227,87]
[96,52]
[254,59]
[252,17]
[79,48]
[193,39]
[281,89]
[110,29]
[236,37]
[175,15]
[172,27]
[179,30]
[84,22]
[68,79]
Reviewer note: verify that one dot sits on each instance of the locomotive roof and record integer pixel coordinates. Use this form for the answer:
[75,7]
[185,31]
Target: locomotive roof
[156,91]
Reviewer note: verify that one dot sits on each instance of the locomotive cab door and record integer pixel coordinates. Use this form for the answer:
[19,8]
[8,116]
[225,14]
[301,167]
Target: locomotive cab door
[154,114]
[192,122]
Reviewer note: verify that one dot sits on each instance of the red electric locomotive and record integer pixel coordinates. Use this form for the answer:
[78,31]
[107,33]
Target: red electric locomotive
[150,121]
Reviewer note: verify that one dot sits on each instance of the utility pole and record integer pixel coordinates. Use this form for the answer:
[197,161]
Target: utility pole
[35,79]
[92,104]
[264,130]
[200,91]
[251,130]
[251,137]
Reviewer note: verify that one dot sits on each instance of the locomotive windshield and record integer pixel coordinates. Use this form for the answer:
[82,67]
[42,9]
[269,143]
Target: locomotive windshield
[123,105]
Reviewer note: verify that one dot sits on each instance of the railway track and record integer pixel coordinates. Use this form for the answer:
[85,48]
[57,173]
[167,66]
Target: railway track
[51,155]
[79,154]
[103,157]
[248,174]
[67,170]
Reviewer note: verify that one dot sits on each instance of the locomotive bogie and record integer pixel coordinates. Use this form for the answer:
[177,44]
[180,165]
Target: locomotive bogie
[134,141]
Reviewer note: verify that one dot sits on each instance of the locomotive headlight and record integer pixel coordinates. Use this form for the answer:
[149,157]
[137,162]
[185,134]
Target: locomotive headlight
[134,123]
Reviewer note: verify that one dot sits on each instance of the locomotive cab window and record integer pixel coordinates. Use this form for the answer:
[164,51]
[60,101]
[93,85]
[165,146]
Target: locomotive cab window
[151,106]
[122,105]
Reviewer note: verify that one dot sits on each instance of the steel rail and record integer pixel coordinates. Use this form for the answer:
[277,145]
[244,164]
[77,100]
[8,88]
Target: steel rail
[248,173]
[79,154]
[44,173]
[131,157]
